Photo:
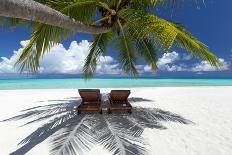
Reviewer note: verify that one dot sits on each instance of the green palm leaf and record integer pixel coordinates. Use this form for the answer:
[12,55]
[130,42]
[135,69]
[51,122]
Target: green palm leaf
[165,34]
[98,47]
[127,57]
[81,10]
[186,41]
[43,38]
[148,51]
[13,22]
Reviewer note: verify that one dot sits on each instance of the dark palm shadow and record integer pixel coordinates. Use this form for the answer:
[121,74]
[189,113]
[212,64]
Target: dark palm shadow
[69,133]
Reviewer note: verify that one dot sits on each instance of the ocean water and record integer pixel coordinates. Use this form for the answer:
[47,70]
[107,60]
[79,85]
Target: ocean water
[67,83]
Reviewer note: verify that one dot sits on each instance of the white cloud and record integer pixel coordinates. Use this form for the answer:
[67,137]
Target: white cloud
[168,58]
[187,57]
[61,60]
[71,61]
[168,63]
[165,63]
[147,68]
[204,66]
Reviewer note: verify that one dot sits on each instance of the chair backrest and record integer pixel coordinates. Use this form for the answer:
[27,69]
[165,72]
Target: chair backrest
[121,95]
[90,94]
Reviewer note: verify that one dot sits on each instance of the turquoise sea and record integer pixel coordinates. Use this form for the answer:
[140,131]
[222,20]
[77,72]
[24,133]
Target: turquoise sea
[67,83]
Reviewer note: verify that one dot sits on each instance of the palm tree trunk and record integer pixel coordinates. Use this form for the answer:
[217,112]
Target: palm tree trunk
[34,11]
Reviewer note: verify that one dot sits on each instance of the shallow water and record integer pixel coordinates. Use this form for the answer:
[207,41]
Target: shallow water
[69,83]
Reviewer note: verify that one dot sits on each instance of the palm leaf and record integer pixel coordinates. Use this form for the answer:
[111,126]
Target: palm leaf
[148,51]
[43,38]
[165,34]
[81,10]
[98,47]
[125,47]
[13,22]
[111,2]
[186,41]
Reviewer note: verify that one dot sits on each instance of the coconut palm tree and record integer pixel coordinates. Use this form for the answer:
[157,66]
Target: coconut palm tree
[130,25]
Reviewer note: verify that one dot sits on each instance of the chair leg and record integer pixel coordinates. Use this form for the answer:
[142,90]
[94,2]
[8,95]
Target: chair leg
[129,111]
[100,111]
[78,112]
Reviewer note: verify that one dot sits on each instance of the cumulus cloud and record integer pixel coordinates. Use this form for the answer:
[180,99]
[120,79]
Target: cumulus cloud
[204,66]
[168,58]
[62,60]
[187,57]
[166,63]
[170,62]
[71,61]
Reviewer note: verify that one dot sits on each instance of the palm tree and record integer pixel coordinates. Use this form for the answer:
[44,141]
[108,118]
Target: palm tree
[129,24]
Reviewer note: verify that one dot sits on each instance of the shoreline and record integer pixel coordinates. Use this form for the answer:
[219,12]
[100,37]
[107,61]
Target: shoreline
[119,88]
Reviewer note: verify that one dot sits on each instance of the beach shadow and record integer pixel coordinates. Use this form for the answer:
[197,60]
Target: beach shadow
[69,133]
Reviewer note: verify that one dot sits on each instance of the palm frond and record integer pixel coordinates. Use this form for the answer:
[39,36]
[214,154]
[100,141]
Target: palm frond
[98,47]
[110,2]
[43,38]
[127,57]
[12,23]
[142,25]
[186,41]
[81,10]
[166,34]
[148,51]
[15,21]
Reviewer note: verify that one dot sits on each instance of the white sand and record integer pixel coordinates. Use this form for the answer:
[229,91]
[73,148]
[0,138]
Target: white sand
[208,108]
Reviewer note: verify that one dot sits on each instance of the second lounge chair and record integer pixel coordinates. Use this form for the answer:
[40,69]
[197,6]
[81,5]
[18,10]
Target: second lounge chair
[119,101]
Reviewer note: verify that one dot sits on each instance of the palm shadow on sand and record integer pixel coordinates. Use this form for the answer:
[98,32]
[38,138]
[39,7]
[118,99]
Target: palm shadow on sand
[71,134]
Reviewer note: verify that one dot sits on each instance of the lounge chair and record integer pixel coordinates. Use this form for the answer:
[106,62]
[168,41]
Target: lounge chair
[119,101]
[91,101]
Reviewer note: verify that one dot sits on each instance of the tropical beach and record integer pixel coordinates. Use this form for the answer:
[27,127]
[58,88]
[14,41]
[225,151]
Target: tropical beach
[115,77]
[164,120]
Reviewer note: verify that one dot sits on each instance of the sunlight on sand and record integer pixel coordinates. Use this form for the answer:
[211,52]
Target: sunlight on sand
[189,120]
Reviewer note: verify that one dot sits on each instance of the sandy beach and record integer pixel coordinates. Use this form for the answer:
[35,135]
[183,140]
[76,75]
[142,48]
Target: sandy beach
[164,121]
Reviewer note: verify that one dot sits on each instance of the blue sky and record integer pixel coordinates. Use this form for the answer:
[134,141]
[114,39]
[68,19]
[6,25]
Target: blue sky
[210,22]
